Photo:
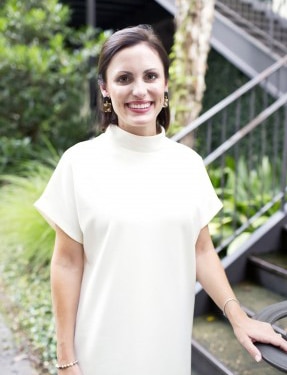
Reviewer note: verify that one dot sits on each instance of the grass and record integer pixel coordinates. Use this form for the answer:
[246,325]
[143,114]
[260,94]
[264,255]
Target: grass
[21,225]
[25,252]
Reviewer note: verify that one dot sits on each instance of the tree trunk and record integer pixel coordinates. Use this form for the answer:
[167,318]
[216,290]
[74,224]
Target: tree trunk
[194,20]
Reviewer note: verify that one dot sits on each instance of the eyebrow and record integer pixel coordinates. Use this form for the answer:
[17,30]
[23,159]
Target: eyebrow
[145,71]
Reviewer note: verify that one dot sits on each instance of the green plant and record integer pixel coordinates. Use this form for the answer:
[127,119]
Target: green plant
[21,226]
[244,190]
[12,153]
[44,73]
[25,253]
[29,308]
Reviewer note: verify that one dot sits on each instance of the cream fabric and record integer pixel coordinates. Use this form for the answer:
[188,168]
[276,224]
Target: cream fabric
[137,204]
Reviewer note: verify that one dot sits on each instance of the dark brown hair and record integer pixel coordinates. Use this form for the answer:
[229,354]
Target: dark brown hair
[125,38]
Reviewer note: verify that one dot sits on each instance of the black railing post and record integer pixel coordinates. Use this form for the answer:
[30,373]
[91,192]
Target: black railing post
[91,22]
[284,163]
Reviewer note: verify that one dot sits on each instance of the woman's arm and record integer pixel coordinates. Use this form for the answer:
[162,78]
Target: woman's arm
[212,277]
[66,277]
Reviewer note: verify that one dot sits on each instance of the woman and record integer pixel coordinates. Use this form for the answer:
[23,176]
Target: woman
[131,211]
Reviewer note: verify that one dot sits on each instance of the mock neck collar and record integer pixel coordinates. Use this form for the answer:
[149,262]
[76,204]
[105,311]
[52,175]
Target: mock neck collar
[135,142]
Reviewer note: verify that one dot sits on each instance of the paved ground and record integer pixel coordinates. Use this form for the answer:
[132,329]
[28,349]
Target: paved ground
[12,360]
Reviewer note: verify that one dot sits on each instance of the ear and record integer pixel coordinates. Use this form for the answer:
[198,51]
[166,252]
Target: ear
[104,90]
[166,86]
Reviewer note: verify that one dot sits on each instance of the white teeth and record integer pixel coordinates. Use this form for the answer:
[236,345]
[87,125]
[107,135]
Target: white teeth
[139,106]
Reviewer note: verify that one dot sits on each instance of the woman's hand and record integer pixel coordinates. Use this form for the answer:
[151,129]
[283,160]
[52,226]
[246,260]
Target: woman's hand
[215,283]
[248,331]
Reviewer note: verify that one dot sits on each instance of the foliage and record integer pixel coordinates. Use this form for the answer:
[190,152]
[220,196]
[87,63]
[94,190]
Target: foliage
[189,54]
[22,228]
[44,73]
[13,151]
[244,191]
[25,253]
[218,69]
[29,314]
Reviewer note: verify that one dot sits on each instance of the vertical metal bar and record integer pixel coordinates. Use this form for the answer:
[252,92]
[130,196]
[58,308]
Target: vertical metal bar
[263,151]
[91,13]
[238,115]
[271,29]
[250,151]
[209,137]
[284,164]
[222,169]
[274,154]
[275,149]
[91,22]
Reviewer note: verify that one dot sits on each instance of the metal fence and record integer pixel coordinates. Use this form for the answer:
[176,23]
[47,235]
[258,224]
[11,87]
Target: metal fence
[266,20]
[243,141]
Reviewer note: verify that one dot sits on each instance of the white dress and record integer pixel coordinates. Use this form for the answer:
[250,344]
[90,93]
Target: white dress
[137,204]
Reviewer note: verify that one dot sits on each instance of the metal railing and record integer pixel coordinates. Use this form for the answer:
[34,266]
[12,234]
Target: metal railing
[243,141]
[266,20]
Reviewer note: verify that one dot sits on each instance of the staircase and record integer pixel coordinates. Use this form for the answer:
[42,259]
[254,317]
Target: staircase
[249,34]
[259,20]
[261,281]
[243,141]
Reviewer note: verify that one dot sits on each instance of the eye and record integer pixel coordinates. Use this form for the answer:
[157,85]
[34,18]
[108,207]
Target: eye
[151,76]
[123,79]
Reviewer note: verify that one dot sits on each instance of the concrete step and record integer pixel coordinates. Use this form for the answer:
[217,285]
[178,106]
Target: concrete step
[256,297]
[214,334]
[270,271]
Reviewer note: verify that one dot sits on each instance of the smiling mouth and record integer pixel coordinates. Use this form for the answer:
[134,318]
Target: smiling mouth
[139,105]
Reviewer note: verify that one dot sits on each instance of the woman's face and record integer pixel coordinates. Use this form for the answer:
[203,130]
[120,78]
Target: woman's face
[136,86]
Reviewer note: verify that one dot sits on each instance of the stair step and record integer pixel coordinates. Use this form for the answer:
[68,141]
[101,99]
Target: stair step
[214,334]
[277,258]
[270,271]
[249,18]
[255,297]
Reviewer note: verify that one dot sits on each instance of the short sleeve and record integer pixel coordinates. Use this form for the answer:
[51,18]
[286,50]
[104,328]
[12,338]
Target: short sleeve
[58,203]
[210,204]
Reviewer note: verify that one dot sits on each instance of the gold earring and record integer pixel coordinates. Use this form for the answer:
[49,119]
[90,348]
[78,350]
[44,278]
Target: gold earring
[165,100]
[107,104]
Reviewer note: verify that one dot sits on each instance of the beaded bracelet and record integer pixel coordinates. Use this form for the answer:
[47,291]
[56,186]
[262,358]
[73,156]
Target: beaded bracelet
[227,302]
[67,365]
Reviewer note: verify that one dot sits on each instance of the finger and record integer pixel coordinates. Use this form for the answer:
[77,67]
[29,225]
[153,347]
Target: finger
[276,339]
[254,352]
[282,343]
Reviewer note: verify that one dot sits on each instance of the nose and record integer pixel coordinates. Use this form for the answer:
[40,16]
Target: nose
[139,89]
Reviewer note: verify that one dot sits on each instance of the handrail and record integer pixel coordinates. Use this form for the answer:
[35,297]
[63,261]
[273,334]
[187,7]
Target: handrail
[271,354]
[237,137]
[229,99]
[245,130]
[267,35]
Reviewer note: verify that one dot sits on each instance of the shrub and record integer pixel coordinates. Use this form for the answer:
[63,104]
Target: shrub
[44,73]
[244,191]
[22,227]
